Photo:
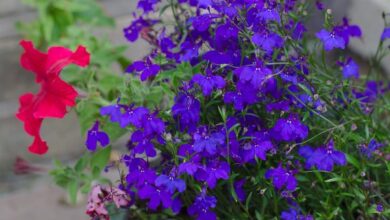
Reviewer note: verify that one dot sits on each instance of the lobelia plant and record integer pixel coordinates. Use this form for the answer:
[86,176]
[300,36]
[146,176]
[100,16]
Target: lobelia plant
[238,112]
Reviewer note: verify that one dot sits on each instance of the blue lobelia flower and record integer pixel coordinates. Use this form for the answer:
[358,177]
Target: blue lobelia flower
[156,196]
[189,51]
[94,136]
[269,14]
[212,172]
[385,34]
[282,178]
[202,22]
[219,58]
[323,158]
[146,68]
[331,40]
[255,75]
[131,32]
[147,5]
[268,41]
[372,147]
[238,188]
[350,69]
[139,172]
[201,207]
[206,142]
[152,125]
[245,95]
[144,144]
[346,30]
[289,129]
[171,183]
[209,82]
[186,111]
[133,116]
[257,147]
[226,31]
[114,111]
[293,214]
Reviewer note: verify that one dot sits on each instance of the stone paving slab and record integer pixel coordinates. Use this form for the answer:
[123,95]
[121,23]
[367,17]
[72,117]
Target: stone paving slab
[39,201]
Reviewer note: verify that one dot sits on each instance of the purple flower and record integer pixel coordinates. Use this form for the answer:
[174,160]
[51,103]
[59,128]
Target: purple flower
[209,82]
[385,34]
[152,125]
[156,196]
[201,208]
[212,172]
[171,183]
[189,167]
[268,41]
[203,141]
[320,6]
[255,75]
[139,172]
[189,51]
[219,58]
[144,144]
[132,32]
[244,96]
[166,45]
[293,214]
[372,147]
[283,105]
[114,111]
[133,116]
[146,68]
[147,5]
[226,31]
[289,129]
[282,178]
[94,136]
[257,147]
[238,188]
[346,31]
[186,110]
[370,95]
[269,14]
[350,69]
[379,207]
[331,40]
[202,23]
[323,158]
[298,30]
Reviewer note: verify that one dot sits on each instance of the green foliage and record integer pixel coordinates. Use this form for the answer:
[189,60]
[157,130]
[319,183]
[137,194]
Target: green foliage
[71,23]
[79,178]
[56,18]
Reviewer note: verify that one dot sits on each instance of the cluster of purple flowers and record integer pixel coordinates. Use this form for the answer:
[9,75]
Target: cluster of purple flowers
[244,70]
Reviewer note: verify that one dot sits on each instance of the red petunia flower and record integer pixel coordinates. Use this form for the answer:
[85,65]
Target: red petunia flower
[54,96]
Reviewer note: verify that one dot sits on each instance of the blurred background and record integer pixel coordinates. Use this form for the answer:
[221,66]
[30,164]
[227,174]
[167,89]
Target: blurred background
[33,195]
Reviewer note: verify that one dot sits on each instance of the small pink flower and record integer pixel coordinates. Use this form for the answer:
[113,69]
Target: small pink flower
[101,195]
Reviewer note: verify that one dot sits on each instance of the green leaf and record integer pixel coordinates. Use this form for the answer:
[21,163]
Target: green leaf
[100,159]
[73,187]
[109,83]
[248,200]
[335,179]
[81,164]
[353,161]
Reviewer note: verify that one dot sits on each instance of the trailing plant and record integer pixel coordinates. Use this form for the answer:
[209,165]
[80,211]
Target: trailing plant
[238,112]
